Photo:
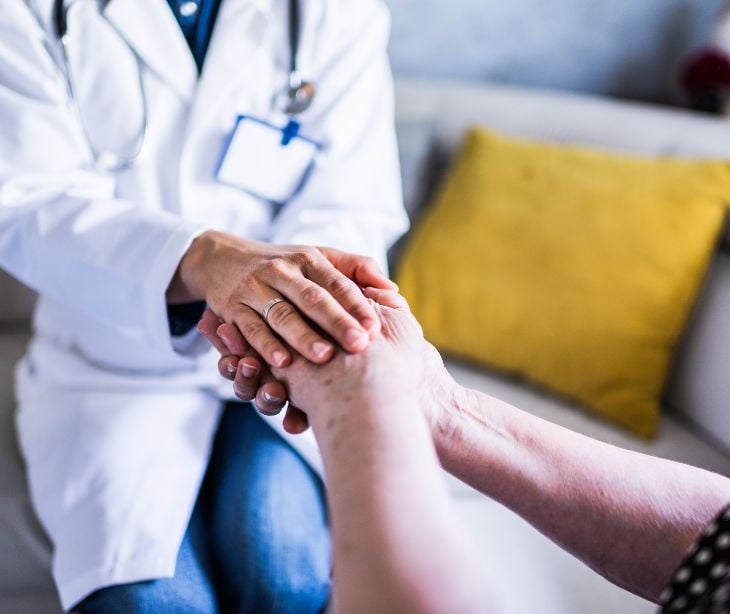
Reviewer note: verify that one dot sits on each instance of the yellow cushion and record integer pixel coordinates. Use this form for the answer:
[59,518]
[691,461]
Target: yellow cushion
[575,269]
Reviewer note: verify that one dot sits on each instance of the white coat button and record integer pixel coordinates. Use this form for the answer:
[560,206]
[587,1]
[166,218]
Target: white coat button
[188,9]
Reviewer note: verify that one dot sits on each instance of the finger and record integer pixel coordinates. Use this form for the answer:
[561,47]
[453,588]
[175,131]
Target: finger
[295,421]
[246,382]
[233,339]
[346,292]
[227,366]
[284,318]
[317,303]
[270,398]
[208,326]
[387,298]
[364,271]
[261,338]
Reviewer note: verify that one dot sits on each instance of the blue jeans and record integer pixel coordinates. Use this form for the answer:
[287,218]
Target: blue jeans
[257,541]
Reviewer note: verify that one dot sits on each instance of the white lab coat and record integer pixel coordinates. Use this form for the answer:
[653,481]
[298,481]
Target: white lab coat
[115,417]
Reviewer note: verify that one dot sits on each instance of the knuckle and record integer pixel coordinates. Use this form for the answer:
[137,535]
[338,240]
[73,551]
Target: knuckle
[341,323]
[243,393]
[312,296]
[281,315]
[308,256]
[360,311]
[277,267]
[252,330]
[339,286]
[306,337]
[246,285]
[235,303]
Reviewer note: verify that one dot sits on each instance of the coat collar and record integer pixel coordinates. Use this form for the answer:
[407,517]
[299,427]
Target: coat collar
[150,28]
[240,29]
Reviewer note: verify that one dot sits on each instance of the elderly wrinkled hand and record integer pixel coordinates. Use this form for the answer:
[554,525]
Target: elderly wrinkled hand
[391,365]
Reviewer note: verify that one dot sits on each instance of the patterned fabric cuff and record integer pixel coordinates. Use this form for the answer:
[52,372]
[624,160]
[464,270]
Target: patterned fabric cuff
[701,585]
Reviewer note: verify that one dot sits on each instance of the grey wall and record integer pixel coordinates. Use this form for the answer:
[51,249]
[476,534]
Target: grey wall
[626,48]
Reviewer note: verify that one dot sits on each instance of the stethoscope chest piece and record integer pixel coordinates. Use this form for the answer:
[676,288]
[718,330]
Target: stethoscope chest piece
[299,97]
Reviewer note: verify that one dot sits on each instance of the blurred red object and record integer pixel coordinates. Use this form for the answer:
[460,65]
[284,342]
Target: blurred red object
[706,80]
[710,68]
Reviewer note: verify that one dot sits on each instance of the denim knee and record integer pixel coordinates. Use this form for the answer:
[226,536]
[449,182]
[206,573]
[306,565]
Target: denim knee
[190,591]
[268,530]
[159,596]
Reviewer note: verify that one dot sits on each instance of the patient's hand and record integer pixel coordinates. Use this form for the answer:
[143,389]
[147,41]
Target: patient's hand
[241,364]
[391,366]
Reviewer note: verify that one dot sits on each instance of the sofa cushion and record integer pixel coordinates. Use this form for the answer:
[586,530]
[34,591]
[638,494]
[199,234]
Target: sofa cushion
[415,138]
[25,551]
[560,117]
[560,264]
[557,117]
[700,385]
[17,301]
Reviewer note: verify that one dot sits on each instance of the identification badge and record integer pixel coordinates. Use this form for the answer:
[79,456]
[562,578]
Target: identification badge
[267,161]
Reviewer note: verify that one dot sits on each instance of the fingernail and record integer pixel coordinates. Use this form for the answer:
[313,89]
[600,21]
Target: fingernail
[231,370]
[279,358]
[248,370]
[354,336]
[271,398]
[225,339]
[320,349]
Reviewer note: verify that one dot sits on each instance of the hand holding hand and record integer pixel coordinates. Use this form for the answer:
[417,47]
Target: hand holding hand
[388,368]
[398,347]
[251,376]
[320,288]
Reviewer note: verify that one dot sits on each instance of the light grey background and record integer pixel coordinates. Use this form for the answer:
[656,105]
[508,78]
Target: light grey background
[625,48]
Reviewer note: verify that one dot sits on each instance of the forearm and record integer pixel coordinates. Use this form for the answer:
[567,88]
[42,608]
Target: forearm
[397,544]
[629,516]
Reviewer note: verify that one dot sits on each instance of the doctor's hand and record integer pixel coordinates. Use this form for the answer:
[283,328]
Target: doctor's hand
[317,292]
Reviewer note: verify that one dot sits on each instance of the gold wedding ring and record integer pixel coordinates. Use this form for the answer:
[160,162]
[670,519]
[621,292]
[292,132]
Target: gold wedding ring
[267,307]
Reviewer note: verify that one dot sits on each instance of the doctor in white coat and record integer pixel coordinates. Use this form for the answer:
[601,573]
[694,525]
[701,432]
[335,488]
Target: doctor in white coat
[129,182]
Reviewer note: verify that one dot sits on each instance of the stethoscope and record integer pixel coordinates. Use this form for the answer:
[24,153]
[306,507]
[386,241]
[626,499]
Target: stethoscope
[298,94]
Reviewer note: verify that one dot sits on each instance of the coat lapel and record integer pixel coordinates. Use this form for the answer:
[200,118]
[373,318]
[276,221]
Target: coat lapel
[239,33]
[150,28]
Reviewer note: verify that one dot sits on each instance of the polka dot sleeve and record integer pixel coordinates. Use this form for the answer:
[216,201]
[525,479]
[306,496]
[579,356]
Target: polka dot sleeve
[702,583]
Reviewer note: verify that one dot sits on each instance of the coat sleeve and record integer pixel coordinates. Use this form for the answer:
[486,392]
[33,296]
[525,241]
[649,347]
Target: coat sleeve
[62,230]
[353,198]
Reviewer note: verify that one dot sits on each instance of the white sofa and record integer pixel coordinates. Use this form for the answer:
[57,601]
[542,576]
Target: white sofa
[527,571]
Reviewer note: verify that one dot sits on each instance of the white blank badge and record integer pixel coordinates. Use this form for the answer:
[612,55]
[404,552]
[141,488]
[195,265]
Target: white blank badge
[267,161]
